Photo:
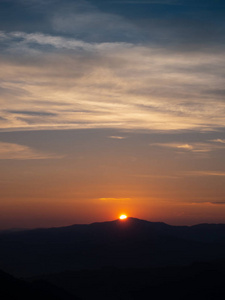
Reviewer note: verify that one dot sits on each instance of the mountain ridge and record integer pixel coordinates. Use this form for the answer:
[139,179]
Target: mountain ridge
[15,230]
[119,243]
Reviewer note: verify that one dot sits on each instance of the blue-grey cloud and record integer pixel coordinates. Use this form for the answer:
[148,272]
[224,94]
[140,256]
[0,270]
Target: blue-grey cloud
[32,113]
[183,25]
[108,84]
[22,152]
[205,173]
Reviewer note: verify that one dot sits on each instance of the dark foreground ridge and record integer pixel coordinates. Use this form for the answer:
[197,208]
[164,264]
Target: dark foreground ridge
[13,289]
[131,243]
[197,281]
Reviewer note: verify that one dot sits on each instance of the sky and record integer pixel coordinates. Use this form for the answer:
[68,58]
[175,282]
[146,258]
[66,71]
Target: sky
[111,107]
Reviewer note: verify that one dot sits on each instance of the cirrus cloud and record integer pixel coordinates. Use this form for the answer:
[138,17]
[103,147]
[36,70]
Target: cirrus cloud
[22,152]
[76,84]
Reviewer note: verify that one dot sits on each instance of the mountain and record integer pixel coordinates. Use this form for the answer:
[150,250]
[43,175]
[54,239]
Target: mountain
[13,289]
[196,281]
[129,243]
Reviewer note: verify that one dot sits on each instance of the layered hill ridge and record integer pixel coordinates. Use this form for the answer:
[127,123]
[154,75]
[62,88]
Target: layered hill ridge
[119,243]
[13,288]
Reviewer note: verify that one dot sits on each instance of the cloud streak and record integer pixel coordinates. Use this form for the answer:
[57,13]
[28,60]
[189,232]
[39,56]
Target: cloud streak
[75,84]
[22,152]
[195,147]
[117,137]
[205,173]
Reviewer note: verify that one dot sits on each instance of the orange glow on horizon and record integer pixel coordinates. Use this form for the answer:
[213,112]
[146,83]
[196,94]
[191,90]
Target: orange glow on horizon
[123,217]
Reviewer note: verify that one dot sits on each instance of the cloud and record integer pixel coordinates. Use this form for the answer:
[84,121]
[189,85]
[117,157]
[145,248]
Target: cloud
[193,147]
[114,199]
[208,203]
[185,146]
[86,21]
[185,26]
[171,2]
[205,173]
[173,146]
[27,41]
[31,113]
[218,203]
[205,203]
[117,137]
[79,25]
[218,141]
[22,152]
[156,176]
[167,2]
[76,84]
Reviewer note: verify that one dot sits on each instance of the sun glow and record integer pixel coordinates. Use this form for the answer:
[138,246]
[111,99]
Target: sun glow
[123,217]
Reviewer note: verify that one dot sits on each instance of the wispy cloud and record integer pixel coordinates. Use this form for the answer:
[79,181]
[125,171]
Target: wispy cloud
[207,203]
[117,137]
[219,141]
[22,152]
[168,2]
[87,21]
[190,147]
[204,173]
[204,203]
[114,199]
[157,176]
[31,113]
[76,84]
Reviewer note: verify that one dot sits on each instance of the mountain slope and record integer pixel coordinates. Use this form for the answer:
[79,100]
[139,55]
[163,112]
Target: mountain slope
[130,243]
[197,281]
[13,289]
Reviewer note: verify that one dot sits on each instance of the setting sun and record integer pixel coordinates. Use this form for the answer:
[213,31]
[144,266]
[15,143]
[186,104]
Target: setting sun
[123,217]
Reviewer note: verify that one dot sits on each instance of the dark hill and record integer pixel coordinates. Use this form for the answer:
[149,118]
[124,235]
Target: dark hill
[129,243]
[197,281]
[13,289]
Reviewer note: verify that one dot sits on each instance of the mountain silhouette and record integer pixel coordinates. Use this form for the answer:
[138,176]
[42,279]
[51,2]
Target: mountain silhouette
[196,281]
[13,289]
[124,244]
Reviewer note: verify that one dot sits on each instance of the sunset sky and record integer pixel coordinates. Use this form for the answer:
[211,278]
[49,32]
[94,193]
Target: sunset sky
[111,107]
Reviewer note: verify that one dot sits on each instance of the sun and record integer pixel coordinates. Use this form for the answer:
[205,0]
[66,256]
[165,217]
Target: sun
[123,217]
